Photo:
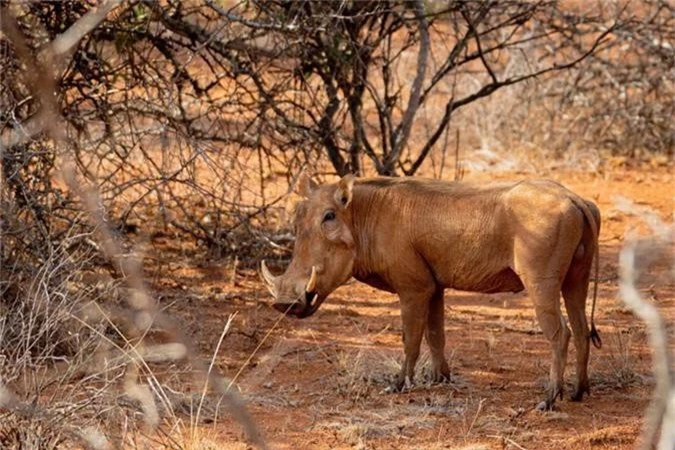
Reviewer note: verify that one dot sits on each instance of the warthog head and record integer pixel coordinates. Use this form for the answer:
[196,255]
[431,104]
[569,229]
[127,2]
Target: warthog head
[324,252]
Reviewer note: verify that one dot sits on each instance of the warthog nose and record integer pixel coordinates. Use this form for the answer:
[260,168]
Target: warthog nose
[299,309]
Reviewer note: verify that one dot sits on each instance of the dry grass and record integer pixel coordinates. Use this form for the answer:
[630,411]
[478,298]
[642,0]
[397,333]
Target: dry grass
[83,371]
[617,367]
[90,358]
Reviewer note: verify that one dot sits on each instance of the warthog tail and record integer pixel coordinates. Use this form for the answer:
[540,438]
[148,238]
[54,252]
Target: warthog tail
[595,336]
[581,204]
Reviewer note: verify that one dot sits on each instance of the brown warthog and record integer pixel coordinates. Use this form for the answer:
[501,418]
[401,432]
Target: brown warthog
[416,237]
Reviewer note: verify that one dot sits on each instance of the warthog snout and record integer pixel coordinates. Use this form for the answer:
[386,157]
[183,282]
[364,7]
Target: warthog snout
[300,305]
[301,308]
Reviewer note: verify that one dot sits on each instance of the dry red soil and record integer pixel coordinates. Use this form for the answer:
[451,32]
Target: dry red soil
[318,383]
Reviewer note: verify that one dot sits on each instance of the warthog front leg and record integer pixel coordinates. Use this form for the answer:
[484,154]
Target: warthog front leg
[435,334]
[414,314]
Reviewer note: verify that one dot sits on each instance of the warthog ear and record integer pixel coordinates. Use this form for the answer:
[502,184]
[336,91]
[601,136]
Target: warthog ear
[305,185]
[343,193]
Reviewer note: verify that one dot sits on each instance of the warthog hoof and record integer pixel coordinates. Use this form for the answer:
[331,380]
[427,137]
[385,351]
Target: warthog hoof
[400,385]
[441,375]
[579,392]
[545,406]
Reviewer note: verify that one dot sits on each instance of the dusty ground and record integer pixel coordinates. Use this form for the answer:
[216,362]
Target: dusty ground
[318,383]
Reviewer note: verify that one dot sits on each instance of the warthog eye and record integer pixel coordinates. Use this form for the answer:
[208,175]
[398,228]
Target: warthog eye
[328,216]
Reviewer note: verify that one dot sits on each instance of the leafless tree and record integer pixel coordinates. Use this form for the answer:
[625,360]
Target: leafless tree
[622,97]
[349,64]
[178,114]
[193,105]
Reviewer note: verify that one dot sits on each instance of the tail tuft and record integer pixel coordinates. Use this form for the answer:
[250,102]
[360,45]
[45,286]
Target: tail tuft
[595,337]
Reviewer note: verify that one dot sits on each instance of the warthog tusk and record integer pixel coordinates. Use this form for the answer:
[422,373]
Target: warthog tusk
[311,300]
[268,279]
[271,290]
[311,284]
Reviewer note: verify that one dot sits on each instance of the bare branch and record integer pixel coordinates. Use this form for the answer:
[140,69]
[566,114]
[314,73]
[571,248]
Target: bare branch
[400,135]
[66,41]
[638,253]
[144,306]
[55,53]
[489,88]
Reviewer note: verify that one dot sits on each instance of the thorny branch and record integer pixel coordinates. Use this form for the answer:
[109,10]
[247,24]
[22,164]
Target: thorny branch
[400,135]
[635,257]
[146,312]
[180,115]
[262,89]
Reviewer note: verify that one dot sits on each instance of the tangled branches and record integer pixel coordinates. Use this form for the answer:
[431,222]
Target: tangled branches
[120,116]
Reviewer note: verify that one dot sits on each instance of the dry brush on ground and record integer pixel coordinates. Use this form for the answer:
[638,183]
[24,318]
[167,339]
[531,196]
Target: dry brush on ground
[124,120]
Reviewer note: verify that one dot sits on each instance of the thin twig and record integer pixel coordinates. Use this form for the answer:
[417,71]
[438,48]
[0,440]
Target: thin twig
[662,239]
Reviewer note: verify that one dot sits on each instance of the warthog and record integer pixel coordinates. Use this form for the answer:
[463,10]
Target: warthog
[416,237]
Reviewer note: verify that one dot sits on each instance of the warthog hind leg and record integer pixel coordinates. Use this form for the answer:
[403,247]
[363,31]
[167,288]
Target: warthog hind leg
[574,292]
[546,298]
